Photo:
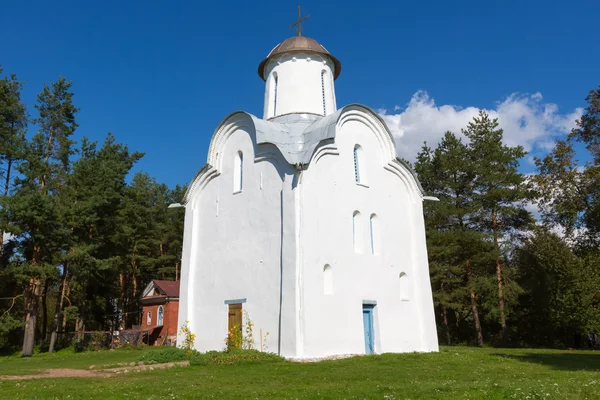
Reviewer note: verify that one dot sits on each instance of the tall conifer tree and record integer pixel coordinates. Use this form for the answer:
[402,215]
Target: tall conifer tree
[35,206]
[500,196]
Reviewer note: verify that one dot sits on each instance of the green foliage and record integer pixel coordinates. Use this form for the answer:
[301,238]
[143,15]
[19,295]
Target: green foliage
[561,290]
[481,203]
[231,356]
[569,191]
[8,324]
[79,346]
[84,241]
[98,341]
[234,356]
[166,354]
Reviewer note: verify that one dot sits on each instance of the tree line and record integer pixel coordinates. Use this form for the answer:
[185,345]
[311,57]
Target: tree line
[80,239]
[499,275]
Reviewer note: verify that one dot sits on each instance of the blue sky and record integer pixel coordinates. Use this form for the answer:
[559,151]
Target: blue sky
[161,75]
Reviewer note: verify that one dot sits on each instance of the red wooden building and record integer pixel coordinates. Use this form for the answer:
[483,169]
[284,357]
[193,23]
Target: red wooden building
[160,307]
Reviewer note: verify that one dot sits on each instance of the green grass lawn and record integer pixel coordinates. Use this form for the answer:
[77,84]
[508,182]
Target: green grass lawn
[454,373]
[16,365]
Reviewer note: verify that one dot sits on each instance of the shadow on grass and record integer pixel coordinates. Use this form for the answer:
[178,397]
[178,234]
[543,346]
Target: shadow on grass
[561,361]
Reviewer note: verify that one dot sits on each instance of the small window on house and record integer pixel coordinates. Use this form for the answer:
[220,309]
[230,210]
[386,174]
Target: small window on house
[374,234]
[359,165]
[404,287]
[149,318]
[238,169]
[323,73]
[357,232]
[160,315]
[327,279]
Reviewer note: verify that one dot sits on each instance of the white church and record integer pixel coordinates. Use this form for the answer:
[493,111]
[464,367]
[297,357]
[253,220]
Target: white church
[306,222]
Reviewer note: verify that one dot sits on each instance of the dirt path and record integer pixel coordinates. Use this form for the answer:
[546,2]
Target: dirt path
[91,373]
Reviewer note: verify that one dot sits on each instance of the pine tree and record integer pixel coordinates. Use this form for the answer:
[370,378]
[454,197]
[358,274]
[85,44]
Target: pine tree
[500,195]
[13,126]
[93,192]
[35,207]
[170,232]
[561,288]
[138,239]
[570,192]
[453,244]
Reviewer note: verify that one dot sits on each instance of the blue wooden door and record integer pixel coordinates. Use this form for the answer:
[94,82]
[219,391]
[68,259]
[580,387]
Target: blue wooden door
[368,327]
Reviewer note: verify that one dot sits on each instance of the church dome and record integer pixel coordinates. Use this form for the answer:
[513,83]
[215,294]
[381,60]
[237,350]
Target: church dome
[299,44]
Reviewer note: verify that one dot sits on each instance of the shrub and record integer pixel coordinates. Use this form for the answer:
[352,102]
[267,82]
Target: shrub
[234,356]
[242,337]
[189,337]
[97,341]
[79,346]
[165,355]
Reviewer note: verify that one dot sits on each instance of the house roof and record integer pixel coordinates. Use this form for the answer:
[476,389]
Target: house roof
[166,289]
[170,288]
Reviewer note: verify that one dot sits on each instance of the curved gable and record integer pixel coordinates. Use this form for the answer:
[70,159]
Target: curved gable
[300,142]
[257,129]
[332,124]
[232,123]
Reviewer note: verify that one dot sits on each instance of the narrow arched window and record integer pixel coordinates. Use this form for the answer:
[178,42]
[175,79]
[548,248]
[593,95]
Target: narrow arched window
[374,234]
[276,81]
[160,315]
[356,232]
[323,73]
[359,167]
[404,287]
[238,169]
[149,318]
[327,279]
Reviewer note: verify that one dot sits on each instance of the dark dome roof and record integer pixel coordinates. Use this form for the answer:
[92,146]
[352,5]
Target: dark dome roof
[300,43]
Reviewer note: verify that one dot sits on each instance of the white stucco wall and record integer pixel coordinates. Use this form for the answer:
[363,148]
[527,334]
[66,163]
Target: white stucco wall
[269,244]
[233,248]
[333,323]
[299,86]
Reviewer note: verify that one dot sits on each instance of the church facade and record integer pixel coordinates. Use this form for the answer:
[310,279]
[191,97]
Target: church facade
[306,223]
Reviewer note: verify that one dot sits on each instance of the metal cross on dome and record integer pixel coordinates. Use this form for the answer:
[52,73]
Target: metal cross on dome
[297,23]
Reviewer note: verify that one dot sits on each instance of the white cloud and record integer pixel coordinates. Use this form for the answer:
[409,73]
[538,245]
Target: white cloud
[526,121]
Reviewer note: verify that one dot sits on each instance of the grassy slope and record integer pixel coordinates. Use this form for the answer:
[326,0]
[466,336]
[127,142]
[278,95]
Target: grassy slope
[15,365]
[455,372]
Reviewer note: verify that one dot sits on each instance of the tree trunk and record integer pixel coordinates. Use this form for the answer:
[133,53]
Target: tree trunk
[6,189]
[79,328]
[445,315]
[134,279]
[122,294]
[176,271]
[45,310]
[59,306]
[64,319]
[31,316]
[48,152]
[474,307]
[499,279]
